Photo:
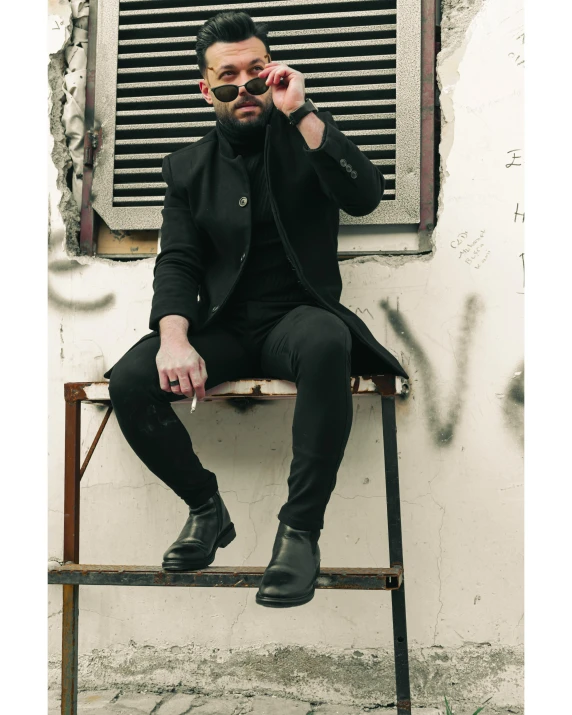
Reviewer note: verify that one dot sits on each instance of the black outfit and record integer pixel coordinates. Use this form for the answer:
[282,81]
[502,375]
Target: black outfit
[207,227]
[268,286]
[271,327]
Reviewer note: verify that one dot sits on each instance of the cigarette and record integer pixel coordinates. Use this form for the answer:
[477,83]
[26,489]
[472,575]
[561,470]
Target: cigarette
[194,403]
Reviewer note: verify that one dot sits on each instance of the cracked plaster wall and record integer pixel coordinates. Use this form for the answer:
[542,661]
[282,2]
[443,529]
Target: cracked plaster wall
[454,319]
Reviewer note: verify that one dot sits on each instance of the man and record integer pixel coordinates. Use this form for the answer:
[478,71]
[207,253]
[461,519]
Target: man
[247,284]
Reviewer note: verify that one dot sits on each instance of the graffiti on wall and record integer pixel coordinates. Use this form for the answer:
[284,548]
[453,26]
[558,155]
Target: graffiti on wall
[473,251]
[441,421]
[58,301]
[518,214]
[513,403]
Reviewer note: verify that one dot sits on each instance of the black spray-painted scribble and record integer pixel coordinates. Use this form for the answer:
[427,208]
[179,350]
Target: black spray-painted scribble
[442,430]
[106,301]
[513,403]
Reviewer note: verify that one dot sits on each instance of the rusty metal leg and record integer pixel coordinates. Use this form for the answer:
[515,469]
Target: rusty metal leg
[70,618]
[396,555]
[70,622]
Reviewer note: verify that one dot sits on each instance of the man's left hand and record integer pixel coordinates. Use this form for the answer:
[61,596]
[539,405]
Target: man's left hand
[288,90]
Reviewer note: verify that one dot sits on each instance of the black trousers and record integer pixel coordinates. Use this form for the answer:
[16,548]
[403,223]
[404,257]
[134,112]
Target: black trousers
[304,344]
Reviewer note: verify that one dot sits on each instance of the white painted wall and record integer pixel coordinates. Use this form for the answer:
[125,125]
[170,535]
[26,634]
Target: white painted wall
[460,338]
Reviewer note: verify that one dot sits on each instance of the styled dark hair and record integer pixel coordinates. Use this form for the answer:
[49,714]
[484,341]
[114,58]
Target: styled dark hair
[228,26]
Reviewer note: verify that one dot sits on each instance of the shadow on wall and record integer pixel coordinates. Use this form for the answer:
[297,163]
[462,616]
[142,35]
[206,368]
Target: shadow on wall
[442,430]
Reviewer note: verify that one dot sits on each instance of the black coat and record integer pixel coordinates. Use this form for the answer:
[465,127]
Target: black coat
[205,235]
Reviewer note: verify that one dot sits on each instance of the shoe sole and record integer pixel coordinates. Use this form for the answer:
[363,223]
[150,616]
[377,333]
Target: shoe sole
[224,539]
[287,602]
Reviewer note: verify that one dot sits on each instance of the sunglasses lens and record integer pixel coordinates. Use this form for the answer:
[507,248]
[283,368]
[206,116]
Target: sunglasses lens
[225,94]
[257,85]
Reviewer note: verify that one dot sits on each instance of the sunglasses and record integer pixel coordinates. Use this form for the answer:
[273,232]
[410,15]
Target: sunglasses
[228,92]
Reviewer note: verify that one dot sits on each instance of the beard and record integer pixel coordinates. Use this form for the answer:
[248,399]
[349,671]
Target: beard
[227,116]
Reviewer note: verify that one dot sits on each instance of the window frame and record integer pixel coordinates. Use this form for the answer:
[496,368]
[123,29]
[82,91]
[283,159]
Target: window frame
[427,146]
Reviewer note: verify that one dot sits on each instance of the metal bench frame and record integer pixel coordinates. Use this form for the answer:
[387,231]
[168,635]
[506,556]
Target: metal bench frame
[71,574]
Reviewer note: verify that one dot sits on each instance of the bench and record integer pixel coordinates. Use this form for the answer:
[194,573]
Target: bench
[72,574]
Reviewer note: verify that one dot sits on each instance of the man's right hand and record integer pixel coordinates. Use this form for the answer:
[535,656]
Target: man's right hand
[178,360]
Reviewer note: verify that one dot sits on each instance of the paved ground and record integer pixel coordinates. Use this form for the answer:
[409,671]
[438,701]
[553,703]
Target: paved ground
[112,702]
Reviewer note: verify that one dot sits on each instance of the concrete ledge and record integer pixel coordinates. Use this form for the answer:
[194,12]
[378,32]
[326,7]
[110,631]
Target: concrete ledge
[362,679]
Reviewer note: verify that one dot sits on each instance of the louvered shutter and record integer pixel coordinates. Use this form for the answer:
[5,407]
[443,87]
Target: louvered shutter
[360,59]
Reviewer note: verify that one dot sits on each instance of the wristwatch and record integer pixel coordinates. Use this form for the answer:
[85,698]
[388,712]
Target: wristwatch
[298,114]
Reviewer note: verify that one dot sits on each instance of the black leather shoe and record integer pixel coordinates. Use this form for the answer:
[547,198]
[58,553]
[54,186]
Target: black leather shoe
[207,528]
[290,577]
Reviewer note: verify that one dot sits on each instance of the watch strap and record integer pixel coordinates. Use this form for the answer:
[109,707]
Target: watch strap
[298,114]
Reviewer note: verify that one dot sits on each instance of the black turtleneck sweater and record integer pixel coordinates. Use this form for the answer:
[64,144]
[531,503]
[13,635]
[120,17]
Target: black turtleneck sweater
[268,283]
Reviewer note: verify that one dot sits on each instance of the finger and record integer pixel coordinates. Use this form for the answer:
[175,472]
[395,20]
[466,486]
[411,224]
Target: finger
[270,64]
[185,383]
[281,72]
[164,381]
[271,79]
[198,382]
[282,78]
[204,374]
[173,376]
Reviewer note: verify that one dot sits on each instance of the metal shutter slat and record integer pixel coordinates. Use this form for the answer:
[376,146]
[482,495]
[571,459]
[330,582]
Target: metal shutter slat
[192,125]
[247,7]
[151,185]
[319,60]
[159,156]
[192,83]
[307,75]
[139,200]
[159,112]
[155,170]
[126,172]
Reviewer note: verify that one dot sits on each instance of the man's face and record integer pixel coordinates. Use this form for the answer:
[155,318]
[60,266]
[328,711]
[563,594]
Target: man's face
[237,63]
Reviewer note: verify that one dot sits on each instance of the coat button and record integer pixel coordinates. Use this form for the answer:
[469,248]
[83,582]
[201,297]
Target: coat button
[348,168]
[243,201]
[242,257]
[215,307]
[343,162]
[353,174]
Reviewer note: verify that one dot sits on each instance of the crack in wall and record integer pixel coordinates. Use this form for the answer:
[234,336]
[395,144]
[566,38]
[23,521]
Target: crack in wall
[439,564]
[238,615]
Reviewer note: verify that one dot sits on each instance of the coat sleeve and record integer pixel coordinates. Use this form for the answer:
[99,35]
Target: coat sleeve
[179,267]
[357,191]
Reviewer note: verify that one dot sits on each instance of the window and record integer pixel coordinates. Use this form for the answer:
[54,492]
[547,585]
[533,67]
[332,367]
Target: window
[362,60]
